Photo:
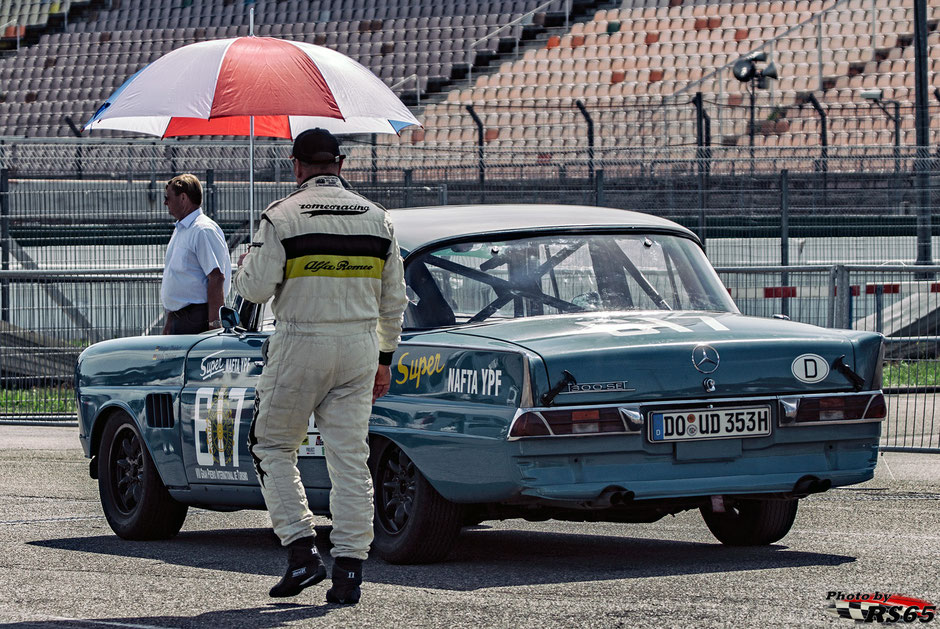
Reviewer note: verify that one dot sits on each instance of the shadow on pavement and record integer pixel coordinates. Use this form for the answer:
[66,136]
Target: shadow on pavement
[267,617]
[482,557]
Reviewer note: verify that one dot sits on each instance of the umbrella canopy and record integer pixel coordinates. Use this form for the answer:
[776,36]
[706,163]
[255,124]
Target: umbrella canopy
[219,87]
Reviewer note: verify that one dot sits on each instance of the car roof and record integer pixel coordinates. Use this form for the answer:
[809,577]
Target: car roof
[415,227]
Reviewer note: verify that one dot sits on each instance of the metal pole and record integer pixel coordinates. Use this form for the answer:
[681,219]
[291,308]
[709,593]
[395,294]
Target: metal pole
[824,142]
[375,161]
[751,130]
[700,158]
[479,123]
[701,207]
[210,193]
[251,149]
[844,301]
[922,123]
[699,129]
[251,177]
[936,93]
[897,136]
[408,174]
[599,199]
[590,129]
[784,236]
[5,242]
[708,144]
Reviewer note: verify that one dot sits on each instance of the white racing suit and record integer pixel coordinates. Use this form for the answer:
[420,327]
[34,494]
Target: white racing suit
[330,259]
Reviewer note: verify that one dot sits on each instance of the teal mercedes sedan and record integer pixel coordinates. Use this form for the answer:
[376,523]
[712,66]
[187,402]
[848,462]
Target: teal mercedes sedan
[566,362]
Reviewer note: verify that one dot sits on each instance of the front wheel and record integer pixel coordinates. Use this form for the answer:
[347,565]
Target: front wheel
[752,522]
[413,523]
[135,502]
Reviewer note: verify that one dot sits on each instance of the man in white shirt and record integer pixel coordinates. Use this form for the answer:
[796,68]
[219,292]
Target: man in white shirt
[198,270]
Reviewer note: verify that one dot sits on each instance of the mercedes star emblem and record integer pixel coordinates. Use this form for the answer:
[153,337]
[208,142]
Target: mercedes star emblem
[705,358]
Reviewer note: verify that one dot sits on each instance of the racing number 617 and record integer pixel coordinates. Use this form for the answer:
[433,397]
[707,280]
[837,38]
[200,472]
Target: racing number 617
[216,419]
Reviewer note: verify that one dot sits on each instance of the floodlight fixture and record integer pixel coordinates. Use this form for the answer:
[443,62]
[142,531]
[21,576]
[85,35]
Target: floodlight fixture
[875,95]
[744,70]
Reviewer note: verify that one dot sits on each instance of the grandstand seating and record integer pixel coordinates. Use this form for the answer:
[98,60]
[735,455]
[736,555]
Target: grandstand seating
[633,66]
[75,68]
[638,56]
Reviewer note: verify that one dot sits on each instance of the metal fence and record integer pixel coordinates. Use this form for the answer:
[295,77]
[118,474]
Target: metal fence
[901,302]
[787,211]
[53,315]
[49,317]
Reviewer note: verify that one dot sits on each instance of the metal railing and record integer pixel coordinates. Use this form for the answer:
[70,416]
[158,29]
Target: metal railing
[900,301]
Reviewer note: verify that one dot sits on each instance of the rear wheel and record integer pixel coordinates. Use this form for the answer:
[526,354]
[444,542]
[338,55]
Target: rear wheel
[752,522]
[135,502]
[413,523]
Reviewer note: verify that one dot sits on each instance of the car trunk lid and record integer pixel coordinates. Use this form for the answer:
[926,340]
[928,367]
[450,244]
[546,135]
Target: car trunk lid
[649,356]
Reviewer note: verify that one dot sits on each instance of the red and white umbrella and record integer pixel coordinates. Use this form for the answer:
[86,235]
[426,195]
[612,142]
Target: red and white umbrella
[217,87]
[252,86]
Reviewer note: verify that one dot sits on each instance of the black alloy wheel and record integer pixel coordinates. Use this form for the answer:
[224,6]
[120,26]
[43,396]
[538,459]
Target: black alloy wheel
[127,470]
[395,490]
[135,502]
[413,522]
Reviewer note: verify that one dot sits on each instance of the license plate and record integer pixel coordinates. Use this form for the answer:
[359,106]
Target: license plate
[712,423]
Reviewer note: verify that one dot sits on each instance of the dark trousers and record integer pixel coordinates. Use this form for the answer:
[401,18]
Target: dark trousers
[191,319]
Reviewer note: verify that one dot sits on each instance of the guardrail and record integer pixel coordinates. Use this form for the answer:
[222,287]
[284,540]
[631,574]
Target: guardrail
[48,317]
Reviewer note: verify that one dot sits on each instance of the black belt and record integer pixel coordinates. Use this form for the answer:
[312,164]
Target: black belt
[189,310]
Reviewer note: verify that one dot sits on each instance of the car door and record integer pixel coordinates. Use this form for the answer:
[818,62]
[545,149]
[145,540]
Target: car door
[217,408]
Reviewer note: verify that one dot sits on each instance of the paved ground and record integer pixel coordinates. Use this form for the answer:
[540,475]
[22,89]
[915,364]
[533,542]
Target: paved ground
[61,566]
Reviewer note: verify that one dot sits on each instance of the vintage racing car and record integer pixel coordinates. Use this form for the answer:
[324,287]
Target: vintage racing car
[565,362]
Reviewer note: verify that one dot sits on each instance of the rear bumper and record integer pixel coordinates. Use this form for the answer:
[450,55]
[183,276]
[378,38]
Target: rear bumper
[585,476]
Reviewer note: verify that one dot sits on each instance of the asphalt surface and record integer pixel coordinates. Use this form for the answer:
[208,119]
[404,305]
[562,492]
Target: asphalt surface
[61,566]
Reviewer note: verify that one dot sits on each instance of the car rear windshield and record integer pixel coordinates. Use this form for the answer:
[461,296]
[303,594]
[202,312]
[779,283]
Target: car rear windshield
[469,282]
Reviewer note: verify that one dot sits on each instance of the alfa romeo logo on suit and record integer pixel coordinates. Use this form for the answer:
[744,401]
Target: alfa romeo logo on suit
[705,358]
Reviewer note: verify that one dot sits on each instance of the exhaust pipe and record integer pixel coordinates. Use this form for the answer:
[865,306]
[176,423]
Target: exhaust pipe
[811,485]
[621,498]
[613,496]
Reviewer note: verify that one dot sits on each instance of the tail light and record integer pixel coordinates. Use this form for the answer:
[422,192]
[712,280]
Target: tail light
[585,421]
[834,408]
[529,425]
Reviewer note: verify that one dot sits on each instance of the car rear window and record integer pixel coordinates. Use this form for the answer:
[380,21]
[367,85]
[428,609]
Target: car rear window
[469,282]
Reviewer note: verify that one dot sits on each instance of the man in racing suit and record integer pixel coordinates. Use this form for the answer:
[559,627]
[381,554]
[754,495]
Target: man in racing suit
[330,259]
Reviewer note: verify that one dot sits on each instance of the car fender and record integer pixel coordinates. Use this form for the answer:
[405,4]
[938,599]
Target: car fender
[163,451]
[462,468]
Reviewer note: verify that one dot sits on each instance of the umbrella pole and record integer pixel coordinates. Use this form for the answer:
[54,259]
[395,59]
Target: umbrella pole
[251,149]
[251,178]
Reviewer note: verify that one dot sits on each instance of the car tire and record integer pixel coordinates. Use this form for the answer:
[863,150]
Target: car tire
[752,522]
[413,523]
[135,502]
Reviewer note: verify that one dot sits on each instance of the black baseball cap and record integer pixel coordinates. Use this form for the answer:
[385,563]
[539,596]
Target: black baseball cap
[316,146]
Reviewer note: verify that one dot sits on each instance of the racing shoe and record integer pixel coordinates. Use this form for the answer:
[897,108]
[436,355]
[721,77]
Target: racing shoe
[304,568]
[347,577]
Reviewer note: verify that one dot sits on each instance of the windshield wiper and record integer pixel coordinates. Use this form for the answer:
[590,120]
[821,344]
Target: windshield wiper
[858,383]
[566,379]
